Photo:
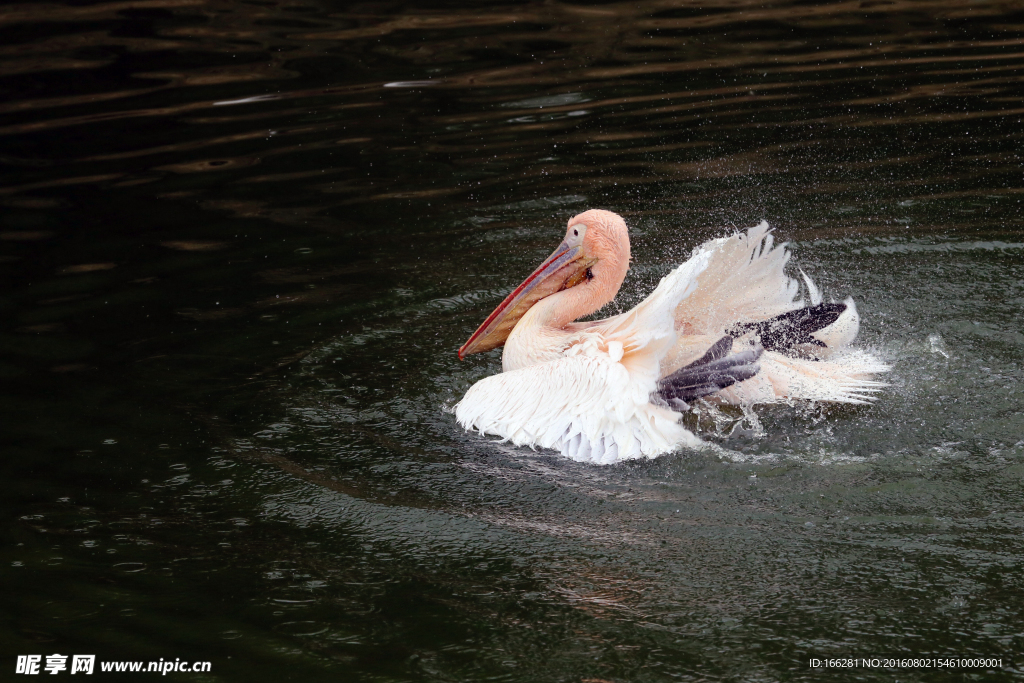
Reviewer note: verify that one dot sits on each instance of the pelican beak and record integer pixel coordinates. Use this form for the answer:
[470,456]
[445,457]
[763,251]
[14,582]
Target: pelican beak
[565,268]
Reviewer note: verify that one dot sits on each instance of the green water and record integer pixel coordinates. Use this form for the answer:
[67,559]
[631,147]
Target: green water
[240,243]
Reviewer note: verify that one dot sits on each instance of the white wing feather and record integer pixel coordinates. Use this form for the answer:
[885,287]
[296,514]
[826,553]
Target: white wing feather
[744,280]
[590,408]
[844,378]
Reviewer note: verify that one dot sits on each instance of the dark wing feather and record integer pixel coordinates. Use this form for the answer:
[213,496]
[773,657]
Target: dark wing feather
[711,372]
[790,329]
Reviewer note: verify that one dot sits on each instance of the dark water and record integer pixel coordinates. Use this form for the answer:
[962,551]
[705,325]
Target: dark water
[241,242]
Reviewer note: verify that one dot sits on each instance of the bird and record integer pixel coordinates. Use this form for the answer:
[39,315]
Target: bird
[728,326]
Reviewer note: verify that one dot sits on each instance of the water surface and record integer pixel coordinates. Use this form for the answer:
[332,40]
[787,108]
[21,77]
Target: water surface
[241,242]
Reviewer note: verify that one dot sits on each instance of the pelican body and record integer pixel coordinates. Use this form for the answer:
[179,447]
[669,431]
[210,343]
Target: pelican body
[728,325]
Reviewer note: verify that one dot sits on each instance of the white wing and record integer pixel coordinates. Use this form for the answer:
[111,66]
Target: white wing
[589,407]
[744,281]
[843,378]
[734,279]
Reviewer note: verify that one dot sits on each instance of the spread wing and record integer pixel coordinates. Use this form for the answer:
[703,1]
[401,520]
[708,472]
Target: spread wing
[589,406]
[745,281]
[734,279]
[728,286]
[649,331]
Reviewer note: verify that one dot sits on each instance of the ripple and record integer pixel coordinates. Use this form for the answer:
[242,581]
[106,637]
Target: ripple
[302,628]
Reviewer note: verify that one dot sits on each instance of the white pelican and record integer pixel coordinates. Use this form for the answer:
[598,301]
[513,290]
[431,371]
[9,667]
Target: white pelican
[614,389]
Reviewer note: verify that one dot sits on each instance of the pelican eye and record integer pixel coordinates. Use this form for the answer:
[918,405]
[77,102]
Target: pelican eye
[590,274]
[576,232]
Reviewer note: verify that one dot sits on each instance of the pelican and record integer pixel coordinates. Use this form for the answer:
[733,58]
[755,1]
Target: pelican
[728,326]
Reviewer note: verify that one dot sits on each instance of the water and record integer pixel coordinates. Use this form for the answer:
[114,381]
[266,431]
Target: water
[241,243]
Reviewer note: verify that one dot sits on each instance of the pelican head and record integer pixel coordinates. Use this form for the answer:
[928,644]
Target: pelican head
[591,262]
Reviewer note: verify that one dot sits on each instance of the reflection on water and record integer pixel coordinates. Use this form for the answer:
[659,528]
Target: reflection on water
[242,241]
